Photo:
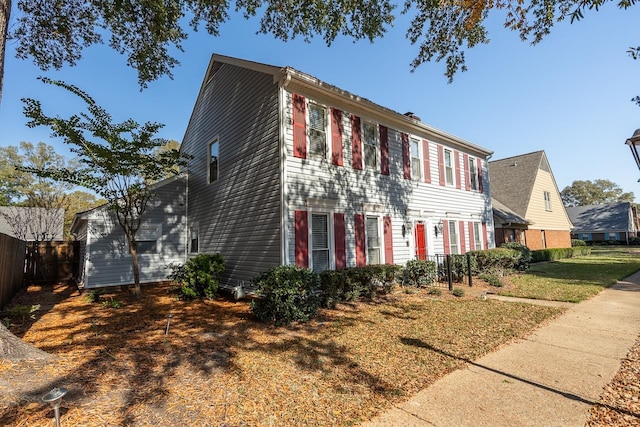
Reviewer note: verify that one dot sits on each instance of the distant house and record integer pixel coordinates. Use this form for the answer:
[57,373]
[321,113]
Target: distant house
[525,186]
[616,222]
[32,224]
[103,250]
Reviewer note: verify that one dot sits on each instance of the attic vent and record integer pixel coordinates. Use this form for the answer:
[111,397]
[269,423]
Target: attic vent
[514,163]
[413,116]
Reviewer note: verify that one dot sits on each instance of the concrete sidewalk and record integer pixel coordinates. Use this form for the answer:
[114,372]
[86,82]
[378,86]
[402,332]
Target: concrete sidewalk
[550,378]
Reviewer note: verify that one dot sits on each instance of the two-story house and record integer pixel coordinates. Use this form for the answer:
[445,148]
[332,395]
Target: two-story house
[287,169]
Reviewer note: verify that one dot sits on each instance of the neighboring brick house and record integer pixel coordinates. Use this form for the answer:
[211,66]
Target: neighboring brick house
[617,222]
[525,185]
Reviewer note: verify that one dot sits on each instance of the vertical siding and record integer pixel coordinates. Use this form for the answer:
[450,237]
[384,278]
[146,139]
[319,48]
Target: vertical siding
[352,191]
[107,254]
[239,215]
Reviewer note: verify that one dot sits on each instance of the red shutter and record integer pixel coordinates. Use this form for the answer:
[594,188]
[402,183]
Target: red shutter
[356,143]
[361,254]
[302,239]
[456,159]
[336,137]
[463,246]
[480,185]
[484,232]
[441,164]
[406,156]
[472,238]
[299,127]
[388,241]
[427,163]
[340,240]
[467,177]
[445,236]
[384,150]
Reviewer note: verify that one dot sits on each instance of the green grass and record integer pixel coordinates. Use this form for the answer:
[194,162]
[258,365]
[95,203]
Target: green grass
[576,279]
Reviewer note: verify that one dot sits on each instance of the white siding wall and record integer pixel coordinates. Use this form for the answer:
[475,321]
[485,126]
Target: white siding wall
[369,192]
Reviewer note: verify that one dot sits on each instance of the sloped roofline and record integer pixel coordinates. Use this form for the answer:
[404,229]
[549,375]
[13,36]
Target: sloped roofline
[287,75]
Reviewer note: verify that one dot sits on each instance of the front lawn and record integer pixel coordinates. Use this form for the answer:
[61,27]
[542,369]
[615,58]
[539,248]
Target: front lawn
[217,366]
[575,279]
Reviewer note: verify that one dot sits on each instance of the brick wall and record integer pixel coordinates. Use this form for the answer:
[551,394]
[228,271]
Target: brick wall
[554,239]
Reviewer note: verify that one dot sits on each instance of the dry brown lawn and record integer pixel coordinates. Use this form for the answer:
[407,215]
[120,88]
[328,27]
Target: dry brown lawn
[219,367]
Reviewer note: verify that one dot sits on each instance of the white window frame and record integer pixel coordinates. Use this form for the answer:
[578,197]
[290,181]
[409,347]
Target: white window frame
[477,235]
[194,229]
[547,201]
[473,174]
[416,172]
[330,238]
[380,238]
[375,147]
[216,142]
[454,238]
[326,130]
[450,167]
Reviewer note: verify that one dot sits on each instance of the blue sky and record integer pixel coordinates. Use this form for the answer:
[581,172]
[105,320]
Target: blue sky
[569,95]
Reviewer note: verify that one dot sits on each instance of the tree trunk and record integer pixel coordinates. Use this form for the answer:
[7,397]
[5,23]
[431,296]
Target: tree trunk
[14,349]
[5,13]
[133,250]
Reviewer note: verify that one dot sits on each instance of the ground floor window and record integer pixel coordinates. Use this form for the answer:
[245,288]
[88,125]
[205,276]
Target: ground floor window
[373,240]
[320,242]
[454,248]
[477,230]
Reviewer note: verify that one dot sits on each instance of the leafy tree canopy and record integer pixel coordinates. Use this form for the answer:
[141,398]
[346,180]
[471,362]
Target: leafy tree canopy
[598,192]
[120,162]
[54,33]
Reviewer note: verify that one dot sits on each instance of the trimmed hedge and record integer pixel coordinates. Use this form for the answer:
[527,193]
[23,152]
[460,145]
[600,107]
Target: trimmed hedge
[350,284]
[419,273]
[199,277]
[559,253]
[524,258]
[578,242]
[498,261]
[287,294]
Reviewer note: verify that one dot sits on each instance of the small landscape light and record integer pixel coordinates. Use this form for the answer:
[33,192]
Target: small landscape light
[54,398]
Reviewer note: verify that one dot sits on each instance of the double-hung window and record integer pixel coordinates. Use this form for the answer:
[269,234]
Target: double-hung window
[415,159]
[547,201]
[214,149]
[453,238]
[194,239]
[473,174]
[448,167]
[317,131]
[370,139]
[477,236]
[320,242]
[373,240]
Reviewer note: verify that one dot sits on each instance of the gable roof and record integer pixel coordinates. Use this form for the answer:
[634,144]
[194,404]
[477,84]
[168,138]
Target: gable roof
[294,79]
[512,179]
[601,218]
[504,215]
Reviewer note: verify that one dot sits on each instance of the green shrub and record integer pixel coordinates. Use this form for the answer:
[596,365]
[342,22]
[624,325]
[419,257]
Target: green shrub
[460,266]
[578,242]
[111,304]
[491,279]
[22,311]
[287,294]
[524,258]
[434,291]
[458,292]
[554,254]
[350,284]
[93,295]
[498,261]
[419,273]
[199,277]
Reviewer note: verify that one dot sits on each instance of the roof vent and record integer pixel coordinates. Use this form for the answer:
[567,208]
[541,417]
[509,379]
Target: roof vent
[514,163]
[413,116]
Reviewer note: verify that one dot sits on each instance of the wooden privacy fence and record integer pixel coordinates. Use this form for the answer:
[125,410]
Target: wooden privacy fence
[12,267]
[51,262]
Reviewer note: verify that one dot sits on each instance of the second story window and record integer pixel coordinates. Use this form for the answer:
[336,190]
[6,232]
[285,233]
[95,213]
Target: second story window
[448,167]
[547,201]
[317,131]
[214,148]
[370,139]
[415,159]
[473,173]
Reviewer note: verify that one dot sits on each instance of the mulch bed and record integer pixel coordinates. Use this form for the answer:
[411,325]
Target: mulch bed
[217,366]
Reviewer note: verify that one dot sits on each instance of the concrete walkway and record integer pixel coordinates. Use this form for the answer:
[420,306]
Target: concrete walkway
[550,378]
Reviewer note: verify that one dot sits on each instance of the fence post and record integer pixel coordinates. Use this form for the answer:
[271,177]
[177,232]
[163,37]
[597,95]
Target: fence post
[469,269]
[449,272]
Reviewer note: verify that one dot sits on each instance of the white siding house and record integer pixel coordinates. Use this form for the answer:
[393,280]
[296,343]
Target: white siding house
[287,169]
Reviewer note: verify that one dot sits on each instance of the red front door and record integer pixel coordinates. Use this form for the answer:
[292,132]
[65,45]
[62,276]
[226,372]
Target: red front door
[421,244]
